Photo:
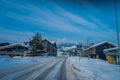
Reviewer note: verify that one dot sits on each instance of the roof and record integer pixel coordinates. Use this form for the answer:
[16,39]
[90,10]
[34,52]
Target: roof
[96,45]
[111,51]
[45,40]
[13,45]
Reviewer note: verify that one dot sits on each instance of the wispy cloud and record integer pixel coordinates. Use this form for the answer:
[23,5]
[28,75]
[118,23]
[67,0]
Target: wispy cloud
[44,17]
[14,36]
[60,19]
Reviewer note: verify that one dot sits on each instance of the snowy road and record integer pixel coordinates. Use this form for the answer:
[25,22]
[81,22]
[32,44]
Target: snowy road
[56,68]
[59,68]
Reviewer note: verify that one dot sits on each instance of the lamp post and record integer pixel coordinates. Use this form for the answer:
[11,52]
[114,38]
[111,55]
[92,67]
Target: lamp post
[117,30]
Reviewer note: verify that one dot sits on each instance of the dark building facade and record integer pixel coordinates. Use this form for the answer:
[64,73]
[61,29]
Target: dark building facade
[96,51]
[49,48]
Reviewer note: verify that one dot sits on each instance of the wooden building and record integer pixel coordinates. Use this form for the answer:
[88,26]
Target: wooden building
[4,44]
[96,51]
[49,48]
[13,49]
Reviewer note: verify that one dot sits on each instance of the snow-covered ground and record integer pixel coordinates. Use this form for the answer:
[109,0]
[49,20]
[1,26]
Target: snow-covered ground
[30,68]
[7,63]
[92,69]
[97,68]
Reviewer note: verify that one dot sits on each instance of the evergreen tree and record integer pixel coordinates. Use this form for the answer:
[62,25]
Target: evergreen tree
[36,44]
[55,44]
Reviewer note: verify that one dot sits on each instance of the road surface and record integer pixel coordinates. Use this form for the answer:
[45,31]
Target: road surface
[57,69]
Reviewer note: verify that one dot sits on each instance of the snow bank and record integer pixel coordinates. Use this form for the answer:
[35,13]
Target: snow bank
[99,68]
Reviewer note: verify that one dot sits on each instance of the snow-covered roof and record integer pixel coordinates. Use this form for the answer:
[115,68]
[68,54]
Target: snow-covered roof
[99,45]
[110,49]
[45,40]
[13,45]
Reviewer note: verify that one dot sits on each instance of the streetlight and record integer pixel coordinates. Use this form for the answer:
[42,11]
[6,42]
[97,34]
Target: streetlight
[117,30]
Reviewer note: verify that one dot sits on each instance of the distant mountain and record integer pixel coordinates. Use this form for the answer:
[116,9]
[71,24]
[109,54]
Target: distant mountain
[69,48]
[65,45]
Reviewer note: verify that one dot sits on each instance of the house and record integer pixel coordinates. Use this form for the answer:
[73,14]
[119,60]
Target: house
[4,44]
[49,48]
[96,51]
[13,49]
[111,55]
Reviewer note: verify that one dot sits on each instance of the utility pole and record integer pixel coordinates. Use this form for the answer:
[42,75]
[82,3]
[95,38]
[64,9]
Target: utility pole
[117,30]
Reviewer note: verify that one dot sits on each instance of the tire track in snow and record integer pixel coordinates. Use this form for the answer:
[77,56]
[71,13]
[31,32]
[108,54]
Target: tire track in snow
[47,71]
[54,74]
[3,74]
[62,74]
[32,75]
[65,73]
[10,72]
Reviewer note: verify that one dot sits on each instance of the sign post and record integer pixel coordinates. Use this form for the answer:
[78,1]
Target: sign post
[79,50]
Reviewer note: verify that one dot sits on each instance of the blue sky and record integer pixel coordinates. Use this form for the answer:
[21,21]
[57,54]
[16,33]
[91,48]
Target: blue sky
[58,20]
